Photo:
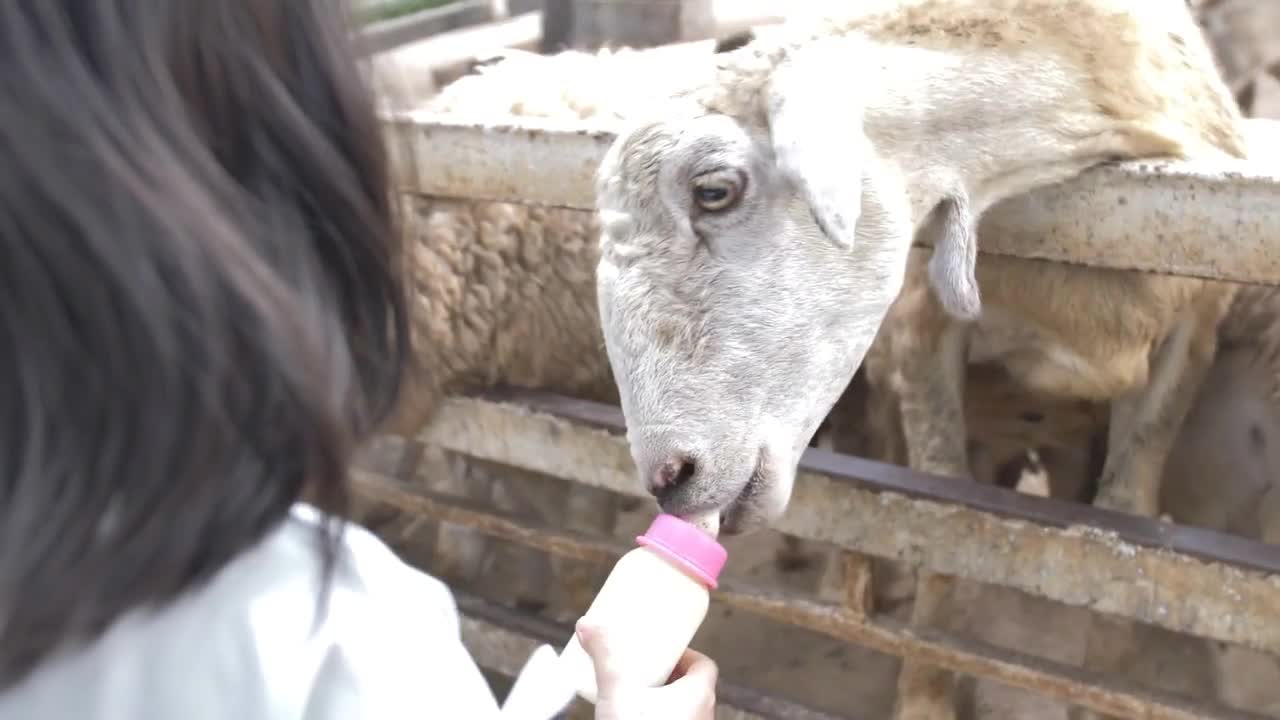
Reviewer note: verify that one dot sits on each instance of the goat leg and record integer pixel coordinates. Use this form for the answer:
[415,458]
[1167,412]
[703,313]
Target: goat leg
[930,358]
[1144,426]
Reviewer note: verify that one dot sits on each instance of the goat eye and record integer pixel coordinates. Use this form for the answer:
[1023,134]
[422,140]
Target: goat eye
[717,190]
[712,195]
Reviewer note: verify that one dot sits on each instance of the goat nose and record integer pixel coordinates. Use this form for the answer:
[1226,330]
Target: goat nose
[670,475]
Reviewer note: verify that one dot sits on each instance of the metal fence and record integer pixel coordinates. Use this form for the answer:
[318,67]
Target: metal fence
[1214,220]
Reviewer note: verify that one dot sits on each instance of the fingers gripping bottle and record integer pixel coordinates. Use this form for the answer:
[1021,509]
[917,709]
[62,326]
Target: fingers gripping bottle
[651,604]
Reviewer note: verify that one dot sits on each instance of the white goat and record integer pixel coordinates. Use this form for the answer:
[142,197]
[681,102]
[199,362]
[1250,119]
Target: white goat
[504,293]
[755,238]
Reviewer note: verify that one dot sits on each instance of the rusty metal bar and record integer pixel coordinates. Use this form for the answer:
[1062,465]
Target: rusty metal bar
[1204,219]
[502,639]
[1070,684]
[858,583]
[1184,579]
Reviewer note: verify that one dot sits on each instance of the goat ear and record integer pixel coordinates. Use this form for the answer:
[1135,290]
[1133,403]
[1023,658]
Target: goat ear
[817,139]
[819,143]
[953,266]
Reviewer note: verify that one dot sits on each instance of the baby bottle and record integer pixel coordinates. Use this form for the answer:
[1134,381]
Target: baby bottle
[651,604]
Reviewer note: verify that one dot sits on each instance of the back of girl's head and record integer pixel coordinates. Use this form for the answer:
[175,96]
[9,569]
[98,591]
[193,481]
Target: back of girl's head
[200,315]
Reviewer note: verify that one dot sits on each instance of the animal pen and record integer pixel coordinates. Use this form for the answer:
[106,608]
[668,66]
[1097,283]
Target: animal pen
[1195,219]
[1152,217]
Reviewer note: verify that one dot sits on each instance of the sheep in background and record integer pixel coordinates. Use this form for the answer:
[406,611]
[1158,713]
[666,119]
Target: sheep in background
[757,235]
[606,85]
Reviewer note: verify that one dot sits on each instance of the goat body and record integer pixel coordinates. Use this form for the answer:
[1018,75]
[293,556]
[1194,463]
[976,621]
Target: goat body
[943,109]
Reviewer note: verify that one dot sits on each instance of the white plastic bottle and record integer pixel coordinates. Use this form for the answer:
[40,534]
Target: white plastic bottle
[651,604]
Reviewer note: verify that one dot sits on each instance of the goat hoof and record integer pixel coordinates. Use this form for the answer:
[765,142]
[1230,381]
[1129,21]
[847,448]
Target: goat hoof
[1112,498]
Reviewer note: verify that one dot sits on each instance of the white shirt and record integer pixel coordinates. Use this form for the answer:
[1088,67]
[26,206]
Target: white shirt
[242,647]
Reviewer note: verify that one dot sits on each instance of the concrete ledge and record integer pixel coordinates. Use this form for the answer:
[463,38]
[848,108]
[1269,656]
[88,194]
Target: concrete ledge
[1207,219]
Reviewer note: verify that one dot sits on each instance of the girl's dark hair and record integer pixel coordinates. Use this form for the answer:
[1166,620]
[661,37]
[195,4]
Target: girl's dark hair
[200,305]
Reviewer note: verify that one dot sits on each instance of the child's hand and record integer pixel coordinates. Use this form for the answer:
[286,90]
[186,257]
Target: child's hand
[690,692]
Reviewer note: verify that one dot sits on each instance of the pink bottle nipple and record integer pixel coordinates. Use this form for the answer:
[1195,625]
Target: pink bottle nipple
[686,545]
